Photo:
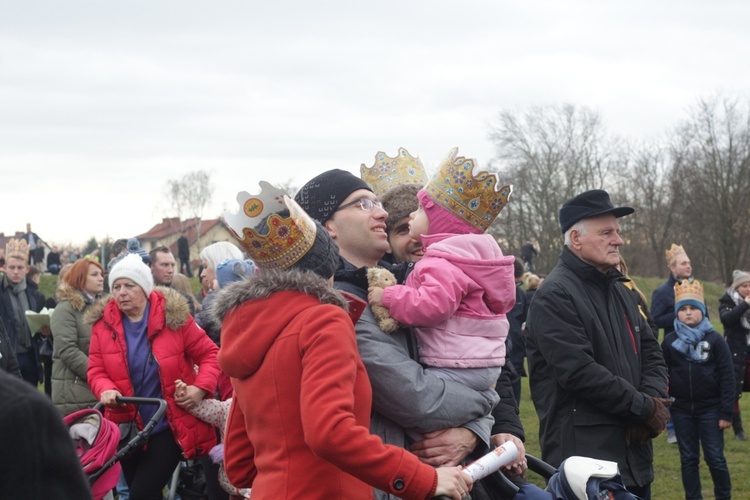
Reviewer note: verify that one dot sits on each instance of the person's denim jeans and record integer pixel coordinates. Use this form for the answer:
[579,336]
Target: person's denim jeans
[703,427]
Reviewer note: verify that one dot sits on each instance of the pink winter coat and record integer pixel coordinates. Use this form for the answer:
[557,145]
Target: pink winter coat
[457,296]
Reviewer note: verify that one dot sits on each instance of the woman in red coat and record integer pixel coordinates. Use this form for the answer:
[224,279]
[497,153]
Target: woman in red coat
[299,422]
[142,341]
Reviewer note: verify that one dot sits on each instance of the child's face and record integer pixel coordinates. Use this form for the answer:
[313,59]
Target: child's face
[419,224]
[690,315]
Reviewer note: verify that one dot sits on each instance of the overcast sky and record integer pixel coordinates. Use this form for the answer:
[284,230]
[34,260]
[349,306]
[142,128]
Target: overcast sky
[102,102]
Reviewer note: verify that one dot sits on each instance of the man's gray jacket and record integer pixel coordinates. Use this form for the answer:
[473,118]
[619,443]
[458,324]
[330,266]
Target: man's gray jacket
[404,395]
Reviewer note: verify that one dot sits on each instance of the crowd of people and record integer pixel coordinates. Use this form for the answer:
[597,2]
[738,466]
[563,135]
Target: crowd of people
[280,382]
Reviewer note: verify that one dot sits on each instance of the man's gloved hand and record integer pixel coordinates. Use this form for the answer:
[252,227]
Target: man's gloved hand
[637,434]
[657,420]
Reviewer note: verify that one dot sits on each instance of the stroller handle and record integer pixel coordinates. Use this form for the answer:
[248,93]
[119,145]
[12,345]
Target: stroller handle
[146,401]
[139,438]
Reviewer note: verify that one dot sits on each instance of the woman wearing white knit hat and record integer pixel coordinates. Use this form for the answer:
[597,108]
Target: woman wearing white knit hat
[734,311]
[143,340]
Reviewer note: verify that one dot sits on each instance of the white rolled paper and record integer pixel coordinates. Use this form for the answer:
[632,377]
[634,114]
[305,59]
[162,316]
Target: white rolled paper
[492,461]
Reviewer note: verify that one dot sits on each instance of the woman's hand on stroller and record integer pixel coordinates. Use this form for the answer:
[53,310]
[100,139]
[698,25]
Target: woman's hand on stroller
[518,466]
[453,483]
[109,398]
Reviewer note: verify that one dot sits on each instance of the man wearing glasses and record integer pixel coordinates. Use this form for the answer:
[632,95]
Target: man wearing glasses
[404,395]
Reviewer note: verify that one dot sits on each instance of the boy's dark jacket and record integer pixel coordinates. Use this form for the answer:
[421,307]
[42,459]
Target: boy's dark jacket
[698,385]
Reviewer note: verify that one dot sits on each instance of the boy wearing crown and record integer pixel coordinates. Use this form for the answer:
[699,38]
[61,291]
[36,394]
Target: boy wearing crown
[15,299]
[662,298]
[396,182]
[701,383]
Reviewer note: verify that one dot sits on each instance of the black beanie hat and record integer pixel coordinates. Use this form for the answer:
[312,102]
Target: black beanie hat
[323,256]
[322,195]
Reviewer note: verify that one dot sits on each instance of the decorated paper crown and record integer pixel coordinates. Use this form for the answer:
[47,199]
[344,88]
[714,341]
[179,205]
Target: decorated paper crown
[475,198]
[387,172]
[688,291]
[673,252]
[287,239]
[17,248]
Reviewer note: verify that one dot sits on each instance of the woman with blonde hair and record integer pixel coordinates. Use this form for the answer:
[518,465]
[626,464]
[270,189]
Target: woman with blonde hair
[80,286]
[216,253]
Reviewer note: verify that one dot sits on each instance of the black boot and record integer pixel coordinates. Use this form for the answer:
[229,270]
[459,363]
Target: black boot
[739,433]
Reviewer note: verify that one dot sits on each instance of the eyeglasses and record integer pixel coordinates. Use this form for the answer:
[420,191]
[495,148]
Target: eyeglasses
[365,204]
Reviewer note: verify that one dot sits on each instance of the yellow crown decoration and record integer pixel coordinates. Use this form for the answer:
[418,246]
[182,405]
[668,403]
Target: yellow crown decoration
[688,289]
[387,173]
[17,248]
[284,240]
[673,253]
[474,197]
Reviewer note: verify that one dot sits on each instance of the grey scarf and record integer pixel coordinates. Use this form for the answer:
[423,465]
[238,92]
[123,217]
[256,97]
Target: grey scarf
[20,304]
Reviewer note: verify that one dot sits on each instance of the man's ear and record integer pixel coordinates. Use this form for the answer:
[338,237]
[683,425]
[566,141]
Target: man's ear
[331,228]
[575,239]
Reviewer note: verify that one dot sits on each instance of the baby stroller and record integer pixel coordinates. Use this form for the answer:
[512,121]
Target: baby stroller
[97,440]
[577,478]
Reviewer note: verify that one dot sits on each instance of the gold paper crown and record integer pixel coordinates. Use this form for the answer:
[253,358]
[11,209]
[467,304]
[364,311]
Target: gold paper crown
[673,252]
[387,172]
[689,289]
[286,241]
[475,198]
[17,248]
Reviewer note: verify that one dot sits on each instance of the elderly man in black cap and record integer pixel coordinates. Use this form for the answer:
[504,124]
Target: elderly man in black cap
[597,375]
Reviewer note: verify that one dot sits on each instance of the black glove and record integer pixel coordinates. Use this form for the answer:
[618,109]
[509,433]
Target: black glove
[657,420]
[637,434]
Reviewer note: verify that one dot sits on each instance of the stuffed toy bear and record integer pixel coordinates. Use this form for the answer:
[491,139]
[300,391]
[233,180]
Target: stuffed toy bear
[378,276]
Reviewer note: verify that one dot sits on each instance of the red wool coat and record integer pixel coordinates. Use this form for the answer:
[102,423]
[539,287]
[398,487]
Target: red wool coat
[177,343]
[299,422]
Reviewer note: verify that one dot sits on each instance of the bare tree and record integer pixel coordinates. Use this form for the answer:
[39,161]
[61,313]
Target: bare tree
[648,184]
[549,154]
[712,158]
[190,195]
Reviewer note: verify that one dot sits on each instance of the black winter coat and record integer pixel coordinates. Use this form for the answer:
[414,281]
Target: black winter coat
[593,364]
[698,385]
[662,305]
[8,361]
[736,335]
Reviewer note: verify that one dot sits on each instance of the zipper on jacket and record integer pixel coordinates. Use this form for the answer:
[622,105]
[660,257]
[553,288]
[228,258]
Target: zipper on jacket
[690,378]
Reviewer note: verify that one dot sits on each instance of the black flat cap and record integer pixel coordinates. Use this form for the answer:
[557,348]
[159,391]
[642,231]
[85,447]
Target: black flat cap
[589,204]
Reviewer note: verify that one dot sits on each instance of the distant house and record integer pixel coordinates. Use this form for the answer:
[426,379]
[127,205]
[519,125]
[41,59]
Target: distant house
[168,231]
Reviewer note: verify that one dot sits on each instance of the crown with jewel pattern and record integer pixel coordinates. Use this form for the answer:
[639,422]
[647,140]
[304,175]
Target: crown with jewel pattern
[286,240]
[474,197]
[17,248]
[387,173]
[673,253]
[689,291]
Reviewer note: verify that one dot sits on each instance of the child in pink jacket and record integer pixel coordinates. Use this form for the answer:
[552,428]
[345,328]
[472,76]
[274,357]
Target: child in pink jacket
[458,294]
